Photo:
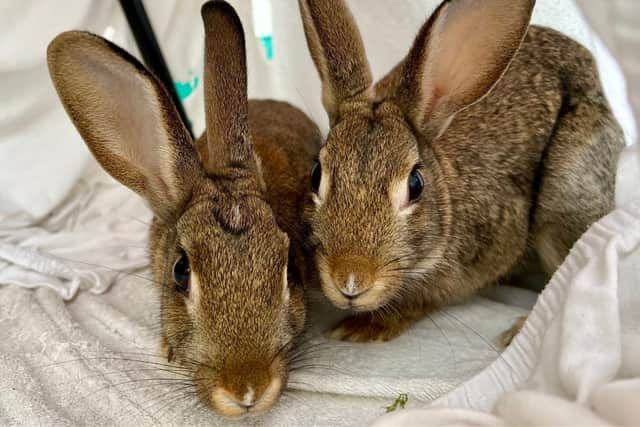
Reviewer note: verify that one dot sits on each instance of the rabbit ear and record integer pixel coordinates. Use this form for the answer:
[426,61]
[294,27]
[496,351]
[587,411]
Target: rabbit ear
[125,116]
[337,50]
[458,56]
[228,145]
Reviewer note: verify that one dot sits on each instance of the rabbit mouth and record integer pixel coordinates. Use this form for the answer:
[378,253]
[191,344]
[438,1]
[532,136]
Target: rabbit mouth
[249,400]
[362,300]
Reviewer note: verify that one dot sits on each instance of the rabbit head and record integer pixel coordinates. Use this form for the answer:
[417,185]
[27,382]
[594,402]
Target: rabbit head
[381,208]
[229,315]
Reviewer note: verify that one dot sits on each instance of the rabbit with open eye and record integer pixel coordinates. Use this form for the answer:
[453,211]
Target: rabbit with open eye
[225,239]
[489,140]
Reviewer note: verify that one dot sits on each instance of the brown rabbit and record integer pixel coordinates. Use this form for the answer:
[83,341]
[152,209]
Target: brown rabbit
[231,309]
[433,183]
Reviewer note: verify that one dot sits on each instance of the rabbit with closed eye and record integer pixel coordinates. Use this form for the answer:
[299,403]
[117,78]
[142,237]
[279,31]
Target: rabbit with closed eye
[225,239]
[489,140]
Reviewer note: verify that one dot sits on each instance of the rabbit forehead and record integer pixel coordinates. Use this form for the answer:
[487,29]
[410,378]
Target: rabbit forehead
[246,259]
[367,151]
[363,160]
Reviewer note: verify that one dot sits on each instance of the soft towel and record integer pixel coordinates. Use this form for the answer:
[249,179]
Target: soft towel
[64,363]
[576,360]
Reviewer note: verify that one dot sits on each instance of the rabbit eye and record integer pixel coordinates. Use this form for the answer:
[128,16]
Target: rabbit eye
[416,184]
[316,175]
[182,273]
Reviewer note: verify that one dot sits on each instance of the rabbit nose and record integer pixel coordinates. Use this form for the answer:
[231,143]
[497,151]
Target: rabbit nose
[247,401]
[351,289]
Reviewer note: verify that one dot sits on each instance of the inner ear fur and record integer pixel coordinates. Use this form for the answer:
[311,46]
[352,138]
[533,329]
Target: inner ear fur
[125,117]
[458,56]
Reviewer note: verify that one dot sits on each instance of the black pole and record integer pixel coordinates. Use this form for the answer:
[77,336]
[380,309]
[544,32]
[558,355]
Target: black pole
[151,54]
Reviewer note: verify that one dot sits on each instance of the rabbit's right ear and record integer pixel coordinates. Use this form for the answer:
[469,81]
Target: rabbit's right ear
[458,56]
[125,116]
[338,52]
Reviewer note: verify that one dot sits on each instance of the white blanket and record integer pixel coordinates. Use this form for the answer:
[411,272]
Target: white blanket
[90,361]
[577,360]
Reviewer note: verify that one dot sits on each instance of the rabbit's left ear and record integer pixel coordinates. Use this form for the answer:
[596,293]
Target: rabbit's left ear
[125,117]
[458,56]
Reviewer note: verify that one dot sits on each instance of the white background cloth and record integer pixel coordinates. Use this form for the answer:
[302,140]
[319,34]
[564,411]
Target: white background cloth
[65,227]
[41,155]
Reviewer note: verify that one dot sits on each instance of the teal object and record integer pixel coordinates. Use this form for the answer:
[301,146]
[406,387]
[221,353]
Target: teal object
[267,44]
[185,89]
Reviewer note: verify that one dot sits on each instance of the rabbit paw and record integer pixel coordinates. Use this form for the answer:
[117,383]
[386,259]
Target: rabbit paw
[507,336]
[367,328]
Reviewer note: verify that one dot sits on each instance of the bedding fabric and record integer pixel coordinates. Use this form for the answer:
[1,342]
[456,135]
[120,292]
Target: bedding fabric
[576,361]
[94,359]
[78,315]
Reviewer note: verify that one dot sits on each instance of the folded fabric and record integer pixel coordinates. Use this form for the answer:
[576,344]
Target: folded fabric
[90,360]
[575,361]
[96,235]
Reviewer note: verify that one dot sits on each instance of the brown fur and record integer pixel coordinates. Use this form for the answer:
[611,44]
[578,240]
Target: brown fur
[232,201]
[526,164]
